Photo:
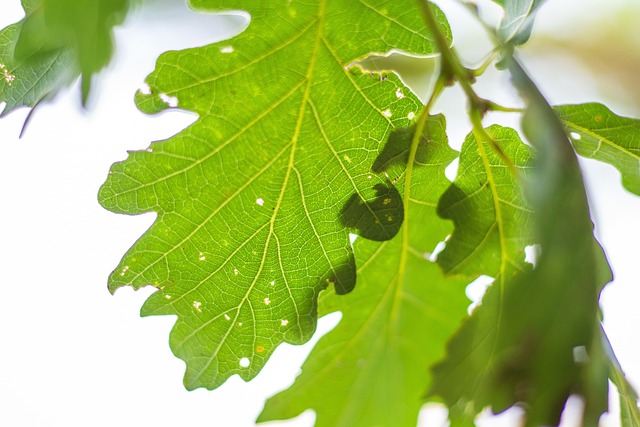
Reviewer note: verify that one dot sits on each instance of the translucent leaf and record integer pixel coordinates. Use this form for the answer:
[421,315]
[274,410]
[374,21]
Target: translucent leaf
[365,371]
[492,220]
[534,340]
[256,199]
[597,133]
[629,410]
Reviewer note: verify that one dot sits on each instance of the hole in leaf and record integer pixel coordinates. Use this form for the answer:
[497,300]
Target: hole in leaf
[476,290]
[532,253]
[376,218]
[451,171]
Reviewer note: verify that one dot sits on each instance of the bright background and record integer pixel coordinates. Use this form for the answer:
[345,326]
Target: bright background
[73,355]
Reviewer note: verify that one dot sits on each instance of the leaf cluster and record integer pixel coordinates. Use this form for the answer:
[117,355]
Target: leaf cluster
[296,148]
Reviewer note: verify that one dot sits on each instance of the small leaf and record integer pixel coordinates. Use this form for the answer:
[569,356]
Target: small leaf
[629,409]
[363,373]
[26,83]
[517,23]
[253,198]
[598,133]
[492,220]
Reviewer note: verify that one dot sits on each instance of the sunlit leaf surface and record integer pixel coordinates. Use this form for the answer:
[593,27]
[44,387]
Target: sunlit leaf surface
[255,200]
[399,317]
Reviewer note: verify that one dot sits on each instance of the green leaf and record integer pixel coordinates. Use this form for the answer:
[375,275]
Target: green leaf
[629,410]
[57,41]
[532,340]
[254,197]
[84,27]
[398,318]
[27,82]
[517,23]
[492,220]
[597,133]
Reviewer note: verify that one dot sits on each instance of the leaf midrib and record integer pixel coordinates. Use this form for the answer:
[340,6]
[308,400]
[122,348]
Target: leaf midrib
[599,137]
[278,205]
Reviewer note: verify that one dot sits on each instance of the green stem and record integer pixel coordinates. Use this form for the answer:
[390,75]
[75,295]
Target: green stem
[452,71]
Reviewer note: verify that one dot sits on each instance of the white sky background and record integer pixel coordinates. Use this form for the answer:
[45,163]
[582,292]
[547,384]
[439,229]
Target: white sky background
[73,355]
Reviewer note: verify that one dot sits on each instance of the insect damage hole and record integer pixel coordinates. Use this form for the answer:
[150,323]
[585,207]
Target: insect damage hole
[171,101]
[245,362]
[145,89]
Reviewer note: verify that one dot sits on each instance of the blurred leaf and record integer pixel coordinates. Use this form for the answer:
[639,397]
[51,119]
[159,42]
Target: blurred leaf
[56,41]
[533,341]
[367,371]
[84,27]
[493,223]
[597,133]
[517,23]
[26,83]
[629,410]
[254,197]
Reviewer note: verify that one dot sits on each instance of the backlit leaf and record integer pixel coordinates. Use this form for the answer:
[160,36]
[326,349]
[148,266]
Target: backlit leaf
[255,200]
[492,220]
[598,133]
[517,23]
[363,373]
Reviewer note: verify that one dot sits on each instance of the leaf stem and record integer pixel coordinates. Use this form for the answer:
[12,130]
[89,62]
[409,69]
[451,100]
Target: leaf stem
[454,71]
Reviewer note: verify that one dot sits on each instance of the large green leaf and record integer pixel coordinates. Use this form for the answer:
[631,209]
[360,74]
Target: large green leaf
[56,41]
[492,220]
[532,341]
[255,200]
[597,133]
[363,373]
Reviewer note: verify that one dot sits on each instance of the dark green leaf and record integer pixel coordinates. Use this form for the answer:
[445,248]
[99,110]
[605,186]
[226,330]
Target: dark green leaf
[363,373]
[532,341]
[597,133]
[254,197]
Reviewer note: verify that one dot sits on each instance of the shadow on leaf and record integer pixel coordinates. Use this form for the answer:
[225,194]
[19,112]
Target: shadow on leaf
[377,219]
